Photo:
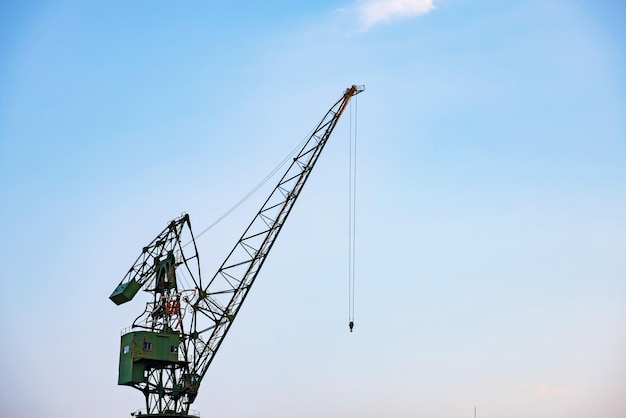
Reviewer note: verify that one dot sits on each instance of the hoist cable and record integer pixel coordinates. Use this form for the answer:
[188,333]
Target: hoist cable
[354,205]
[350,223]
[352,177]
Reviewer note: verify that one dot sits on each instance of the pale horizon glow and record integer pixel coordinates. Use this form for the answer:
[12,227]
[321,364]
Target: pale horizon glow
[551,390]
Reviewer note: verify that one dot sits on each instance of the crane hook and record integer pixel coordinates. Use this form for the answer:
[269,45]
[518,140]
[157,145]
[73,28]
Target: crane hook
[351,325]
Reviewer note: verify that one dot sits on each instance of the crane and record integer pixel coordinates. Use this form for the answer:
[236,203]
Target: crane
[168,349]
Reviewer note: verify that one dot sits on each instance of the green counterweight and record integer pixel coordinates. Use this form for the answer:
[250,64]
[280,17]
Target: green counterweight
[125,292]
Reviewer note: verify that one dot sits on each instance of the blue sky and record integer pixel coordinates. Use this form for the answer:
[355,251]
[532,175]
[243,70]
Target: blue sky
[491,226]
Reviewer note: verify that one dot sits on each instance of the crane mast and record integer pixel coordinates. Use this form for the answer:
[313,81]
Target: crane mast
[170,346]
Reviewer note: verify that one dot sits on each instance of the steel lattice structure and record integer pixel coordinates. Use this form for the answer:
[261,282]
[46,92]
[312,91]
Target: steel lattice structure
[170,346]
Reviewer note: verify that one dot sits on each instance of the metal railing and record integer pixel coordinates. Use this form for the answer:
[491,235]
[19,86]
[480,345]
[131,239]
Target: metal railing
[144,413]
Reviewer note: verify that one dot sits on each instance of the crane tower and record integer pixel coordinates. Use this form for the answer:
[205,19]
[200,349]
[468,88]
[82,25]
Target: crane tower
[167,350]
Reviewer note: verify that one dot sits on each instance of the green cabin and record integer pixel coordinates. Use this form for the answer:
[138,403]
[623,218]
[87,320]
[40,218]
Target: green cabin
[140,349]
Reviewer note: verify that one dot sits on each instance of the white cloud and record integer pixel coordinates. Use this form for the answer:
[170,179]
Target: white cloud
[372,12]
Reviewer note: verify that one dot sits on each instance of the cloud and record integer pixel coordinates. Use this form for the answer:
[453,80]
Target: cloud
[550,390]
[372,12]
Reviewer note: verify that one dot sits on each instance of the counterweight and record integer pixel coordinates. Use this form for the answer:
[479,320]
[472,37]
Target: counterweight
[170,346]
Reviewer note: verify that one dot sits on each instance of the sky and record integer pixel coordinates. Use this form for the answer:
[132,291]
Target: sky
[490,212]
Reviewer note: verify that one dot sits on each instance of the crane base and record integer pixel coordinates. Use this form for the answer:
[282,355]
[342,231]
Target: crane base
[165,415]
